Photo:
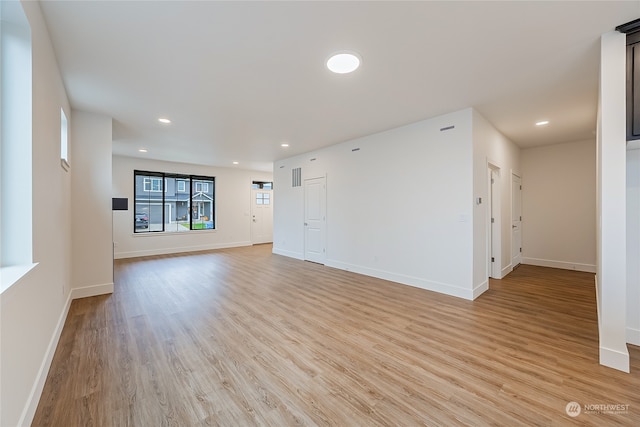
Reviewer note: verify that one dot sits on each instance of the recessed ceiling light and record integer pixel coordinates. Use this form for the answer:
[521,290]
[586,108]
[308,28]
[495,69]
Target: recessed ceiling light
[164,120]
[542,123]
[235,163]
[343,62]
[284,145]
[143,150]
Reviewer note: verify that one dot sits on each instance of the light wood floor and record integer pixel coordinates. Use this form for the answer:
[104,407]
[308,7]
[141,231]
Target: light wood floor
[242,337]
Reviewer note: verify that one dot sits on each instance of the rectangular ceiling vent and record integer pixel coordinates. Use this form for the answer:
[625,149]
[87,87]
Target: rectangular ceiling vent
[296,177]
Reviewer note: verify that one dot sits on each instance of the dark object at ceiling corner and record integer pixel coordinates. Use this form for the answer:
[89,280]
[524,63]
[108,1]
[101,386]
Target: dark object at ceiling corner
[630,27]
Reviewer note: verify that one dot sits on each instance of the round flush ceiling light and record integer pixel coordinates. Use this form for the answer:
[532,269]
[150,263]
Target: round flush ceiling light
[343,62]
[164,120]
[542,123]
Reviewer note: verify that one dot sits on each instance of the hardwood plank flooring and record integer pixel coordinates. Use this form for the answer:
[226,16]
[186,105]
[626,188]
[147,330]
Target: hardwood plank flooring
[242,337]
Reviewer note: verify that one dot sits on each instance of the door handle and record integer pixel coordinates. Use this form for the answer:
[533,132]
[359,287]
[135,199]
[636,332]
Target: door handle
[513,226]
[305,224]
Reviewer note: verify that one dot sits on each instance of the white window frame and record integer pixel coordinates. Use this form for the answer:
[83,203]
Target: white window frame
[182,186]
[204,187]
[147,185]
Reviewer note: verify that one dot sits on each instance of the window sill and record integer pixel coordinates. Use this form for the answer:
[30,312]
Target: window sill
[11,275]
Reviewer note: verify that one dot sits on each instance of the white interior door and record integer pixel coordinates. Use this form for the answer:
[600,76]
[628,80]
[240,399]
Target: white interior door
[261,216]
[314,220]
[516,221]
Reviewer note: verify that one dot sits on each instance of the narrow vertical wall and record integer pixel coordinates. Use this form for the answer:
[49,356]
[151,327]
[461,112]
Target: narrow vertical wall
[490,147]
[611,204]
[91,216]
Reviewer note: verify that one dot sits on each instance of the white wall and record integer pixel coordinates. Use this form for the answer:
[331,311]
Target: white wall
[633,246]
[233,207]
[490,147]
[400,208]
[33,309]
[611,203]
[559,205]
[92,272]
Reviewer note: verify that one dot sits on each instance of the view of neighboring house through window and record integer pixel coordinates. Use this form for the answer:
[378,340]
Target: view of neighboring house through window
[201,202]
[173,203]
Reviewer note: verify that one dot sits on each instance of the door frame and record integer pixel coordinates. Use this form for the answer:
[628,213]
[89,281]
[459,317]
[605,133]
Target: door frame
[513,189]
[494,233]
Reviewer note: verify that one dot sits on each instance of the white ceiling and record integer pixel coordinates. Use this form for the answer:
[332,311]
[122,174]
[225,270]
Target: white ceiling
[239,78]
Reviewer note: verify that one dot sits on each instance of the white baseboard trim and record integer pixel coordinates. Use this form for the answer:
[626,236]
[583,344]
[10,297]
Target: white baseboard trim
[480,289]
[174,250]
[430,285]
[589,268]
[92,291]
[615,359]
[36,391]
[508,269]
[290,254]
[633,336]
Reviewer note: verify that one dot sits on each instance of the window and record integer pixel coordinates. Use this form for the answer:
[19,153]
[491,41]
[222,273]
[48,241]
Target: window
[153,184]
[262,185]
[201,202]
[202,187]
[263,199]
[64,141]
[167,202]
[16,82]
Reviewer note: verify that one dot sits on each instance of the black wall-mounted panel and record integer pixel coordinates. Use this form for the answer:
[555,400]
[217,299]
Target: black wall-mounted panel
[119,204]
